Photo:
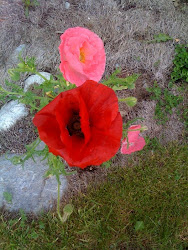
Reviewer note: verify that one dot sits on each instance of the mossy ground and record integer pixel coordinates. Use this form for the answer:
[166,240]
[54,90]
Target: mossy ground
[139,206]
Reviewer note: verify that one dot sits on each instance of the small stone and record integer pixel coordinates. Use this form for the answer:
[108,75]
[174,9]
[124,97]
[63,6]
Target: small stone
[20,48]
[67,5]
[10,113]
[36,79]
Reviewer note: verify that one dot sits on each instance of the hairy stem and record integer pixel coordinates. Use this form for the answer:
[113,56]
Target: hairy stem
[58,203]
[43,77]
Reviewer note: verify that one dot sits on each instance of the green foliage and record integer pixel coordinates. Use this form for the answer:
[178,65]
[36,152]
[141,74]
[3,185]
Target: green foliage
[30,153]
[117,83]
[139,206]
[180,70]
[41,95]
[130,101]
[161,37]
[56,167]
[28,4]
[166,101]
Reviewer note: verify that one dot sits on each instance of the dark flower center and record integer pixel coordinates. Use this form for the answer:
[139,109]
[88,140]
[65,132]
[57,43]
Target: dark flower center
[74,126]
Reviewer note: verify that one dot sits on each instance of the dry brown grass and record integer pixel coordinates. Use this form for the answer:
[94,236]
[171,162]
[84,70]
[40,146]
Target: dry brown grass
[123,25]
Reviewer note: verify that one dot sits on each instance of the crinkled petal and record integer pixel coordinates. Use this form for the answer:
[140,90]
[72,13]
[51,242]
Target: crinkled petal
[102,104]
[133,146]
[133,135]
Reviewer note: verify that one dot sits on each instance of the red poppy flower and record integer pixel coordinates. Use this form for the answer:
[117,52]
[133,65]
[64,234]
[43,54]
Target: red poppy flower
[82,125]
[82,56]
[136,142]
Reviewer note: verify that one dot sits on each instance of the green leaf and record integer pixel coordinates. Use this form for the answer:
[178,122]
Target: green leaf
[15,76]
[119,87]
[7,196]
[161,37]
[44,101]
[130,80]
[130,101]
[139,226]
[121,83]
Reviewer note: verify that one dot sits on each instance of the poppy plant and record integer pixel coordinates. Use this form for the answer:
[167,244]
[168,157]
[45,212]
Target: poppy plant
[82,56]
[82,125]
[135,141]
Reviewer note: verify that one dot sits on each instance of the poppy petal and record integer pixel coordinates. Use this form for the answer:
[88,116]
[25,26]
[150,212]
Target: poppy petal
[102,104]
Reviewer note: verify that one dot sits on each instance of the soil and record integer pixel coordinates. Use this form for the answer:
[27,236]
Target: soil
[124,26]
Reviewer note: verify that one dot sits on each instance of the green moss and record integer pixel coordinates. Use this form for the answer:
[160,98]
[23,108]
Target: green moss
[140,207]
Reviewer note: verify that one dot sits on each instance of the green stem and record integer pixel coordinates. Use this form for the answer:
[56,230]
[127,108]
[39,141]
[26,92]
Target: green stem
[14,93]
[43,77]
[58,203]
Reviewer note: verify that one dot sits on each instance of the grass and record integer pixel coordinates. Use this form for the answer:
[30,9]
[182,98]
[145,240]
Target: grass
[140,207]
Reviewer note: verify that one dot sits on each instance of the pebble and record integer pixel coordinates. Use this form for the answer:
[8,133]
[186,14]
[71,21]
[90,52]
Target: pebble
[67,5]
[10,113]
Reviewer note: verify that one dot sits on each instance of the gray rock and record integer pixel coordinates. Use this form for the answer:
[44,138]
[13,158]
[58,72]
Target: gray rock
[35,79]
[10,113]
[29,189]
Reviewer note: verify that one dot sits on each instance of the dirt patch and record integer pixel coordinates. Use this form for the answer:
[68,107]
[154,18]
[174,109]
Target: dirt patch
[15,139]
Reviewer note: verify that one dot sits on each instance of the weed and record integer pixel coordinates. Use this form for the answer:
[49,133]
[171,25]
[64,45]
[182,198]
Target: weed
[180,70]
[166,101]
[28,4]
[161,37]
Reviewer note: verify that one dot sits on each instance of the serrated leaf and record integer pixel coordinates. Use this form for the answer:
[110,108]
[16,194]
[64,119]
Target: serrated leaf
[130,80]
[15,76]
[43,102]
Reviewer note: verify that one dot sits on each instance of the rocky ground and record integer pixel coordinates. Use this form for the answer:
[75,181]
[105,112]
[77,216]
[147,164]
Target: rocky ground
[125,26]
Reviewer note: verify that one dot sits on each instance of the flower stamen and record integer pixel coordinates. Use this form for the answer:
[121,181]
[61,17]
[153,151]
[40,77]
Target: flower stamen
[74,126]
[82,55]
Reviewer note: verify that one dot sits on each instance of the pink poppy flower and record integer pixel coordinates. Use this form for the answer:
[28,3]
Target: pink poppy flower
[82,56]
[136,142]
